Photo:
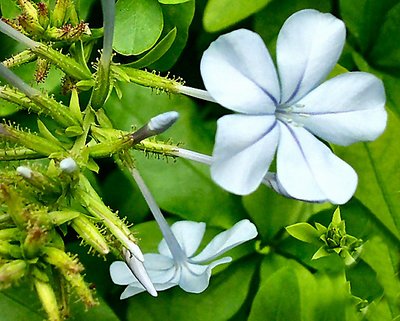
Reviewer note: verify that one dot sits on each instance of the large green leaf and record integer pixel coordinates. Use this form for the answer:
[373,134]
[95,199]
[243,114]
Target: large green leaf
[177,16]
[377,165]
[364,18]
[386,50]
[20,304]
[138,25]
[220,14]
[9,9]
[222,299]
[385,262]
[182,187]
[288,291]
[156,52]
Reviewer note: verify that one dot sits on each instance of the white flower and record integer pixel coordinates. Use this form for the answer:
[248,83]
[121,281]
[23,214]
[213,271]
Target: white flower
[282,109]
[177,264]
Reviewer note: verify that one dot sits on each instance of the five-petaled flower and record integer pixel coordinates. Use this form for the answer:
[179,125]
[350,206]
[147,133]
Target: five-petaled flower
[177,265]
[282,110]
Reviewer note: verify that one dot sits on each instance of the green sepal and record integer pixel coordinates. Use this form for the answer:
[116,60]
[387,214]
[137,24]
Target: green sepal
[73,131]
[46,133]
[304,232]
[321,252]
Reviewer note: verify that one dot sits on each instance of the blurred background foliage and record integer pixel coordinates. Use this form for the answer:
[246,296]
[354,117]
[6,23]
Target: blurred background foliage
[274,277]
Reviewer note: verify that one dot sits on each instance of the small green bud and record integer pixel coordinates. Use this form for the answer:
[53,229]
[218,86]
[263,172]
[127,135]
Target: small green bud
[70,268]
[66,64]
[12,272]
[8,250]
[30,25]
[59,14]
[102,87]
[42,182]
[43,14]
[91,234]
[47,296]
[28,8]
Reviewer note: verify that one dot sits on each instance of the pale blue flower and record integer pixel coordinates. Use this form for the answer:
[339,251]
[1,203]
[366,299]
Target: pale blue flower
[279,110]
[177,264]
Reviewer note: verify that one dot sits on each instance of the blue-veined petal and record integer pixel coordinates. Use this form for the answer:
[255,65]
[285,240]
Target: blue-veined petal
[188,234]
[308,47]
[345,109]
[308,170]
[244,148]
[241,232]
[239,74]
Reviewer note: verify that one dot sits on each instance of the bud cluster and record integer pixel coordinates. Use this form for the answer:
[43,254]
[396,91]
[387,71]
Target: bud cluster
[47,194]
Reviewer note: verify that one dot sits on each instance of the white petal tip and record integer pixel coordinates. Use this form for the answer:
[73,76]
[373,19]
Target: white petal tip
[135,251]
[162,122]
[68,165]
[24,171]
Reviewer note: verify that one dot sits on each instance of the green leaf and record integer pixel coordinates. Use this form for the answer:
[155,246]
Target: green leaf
[377,165]
[269,20]
[220,14]
[222,299]
[278,298]
[183,187]
[364,18]
[138,25]
[272,212]
[9,9]
[172,1]
[384,260]
[386,50]
[156,52]
[288,291]
[178,16]
[285,293]
[304,232]
[20,304]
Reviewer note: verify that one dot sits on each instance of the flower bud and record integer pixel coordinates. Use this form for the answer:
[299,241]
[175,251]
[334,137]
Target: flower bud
[46,296]
[68,165]
[90,233]
[12,272]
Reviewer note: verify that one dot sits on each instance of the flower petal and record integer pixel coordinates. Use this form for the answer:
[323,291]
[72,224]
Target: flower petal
[239,74]
[195,278]
[308,47]
[345,109]
[188,234]
[241,232]
[121,274]
[161,269]
[308,170]
[132,290]
[243,151]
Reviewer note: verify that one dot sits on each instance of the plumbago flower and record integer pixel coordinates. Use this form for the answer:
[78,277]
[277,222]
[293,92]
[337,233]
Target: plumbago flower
[176,262]
[282,109]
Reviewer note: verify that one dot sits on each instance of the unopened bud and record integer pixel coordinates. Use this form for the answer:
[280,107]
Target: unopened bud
[12,272]
[47,296]
[139,271]
[90,233]
[155,126]
[68,165]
